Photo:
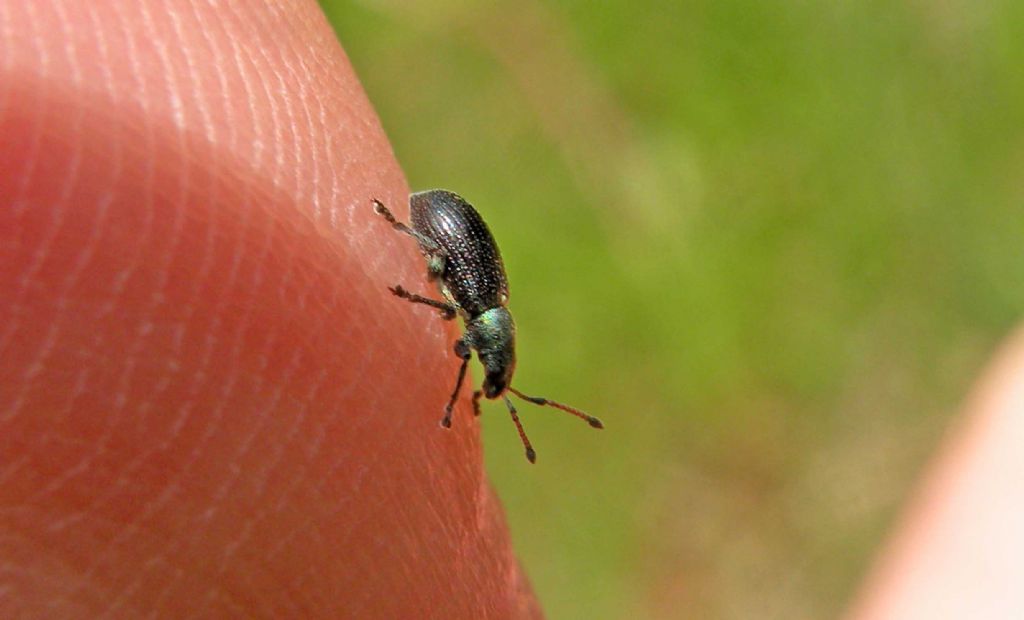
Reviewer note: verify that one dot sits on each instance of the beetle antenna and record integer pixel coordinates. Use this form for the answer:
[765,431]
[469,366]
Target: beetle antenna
[531,455]
[591,420]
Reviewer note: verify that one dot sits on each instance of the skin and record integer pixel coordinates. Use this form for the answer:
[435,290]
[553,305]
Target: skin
[210,403]
[957,551]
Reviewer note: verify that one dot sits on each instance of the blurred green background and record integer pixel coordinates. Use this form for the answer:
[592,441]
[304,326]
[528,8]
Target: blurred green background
[770,244]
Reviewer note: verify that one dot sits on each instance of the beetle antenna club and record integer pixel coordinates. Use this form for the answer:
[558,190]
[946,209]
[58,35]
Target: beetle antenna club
[463,259]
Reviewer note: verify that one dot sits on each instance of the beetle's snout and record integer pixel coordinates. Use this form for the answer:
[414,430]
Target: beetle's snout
[498,369]
[495,384]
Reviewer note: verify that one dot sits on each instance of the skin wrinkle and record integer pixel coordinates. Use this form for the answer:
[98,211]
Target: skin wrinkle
[253,519]
[180,120]
[153,564]
[195,89]
[211,134]
[59,209]
[108,82]
[289,124]
[301,578]
[205,267]
[177,107]
[27,177]
[216,316]
[372,552]
[318,488]
[311,130]
[276,156]
[12,468]
[256,477]
[116,145]
[6,34]
[312,453]
[186,405]
[256,145]
[124,595]
[226,394]
[132,264]
[313,165]
[177,113]
[171,489]
[335,191]
[13,570]
[290,438]
[327,131]
[71,52]
[177,223]
[277,135]
[293,113]
[141,335]
[74,274]
[327,145]
[304,409]
[216,57]
[79,388]
[117,148]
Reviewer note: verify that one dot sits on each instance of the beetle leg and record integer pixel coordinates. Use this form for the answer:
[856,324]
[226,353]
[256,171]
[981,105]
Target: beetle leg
[591,420]
[448,310]
[476,402]
[436,256]
[384,212]
[462,350]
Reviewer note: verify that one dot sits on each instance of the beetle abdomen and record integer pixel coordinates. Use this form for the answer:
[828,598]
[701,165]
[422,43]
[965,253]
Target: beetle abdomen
[474,273]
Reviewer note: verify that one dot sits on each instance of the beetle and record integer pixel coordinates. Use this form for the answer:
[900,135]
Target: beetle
[464,261]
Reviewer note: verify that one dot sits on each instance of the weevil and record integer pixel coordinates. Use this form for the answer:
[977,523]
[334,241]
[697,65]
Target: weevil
[464,261]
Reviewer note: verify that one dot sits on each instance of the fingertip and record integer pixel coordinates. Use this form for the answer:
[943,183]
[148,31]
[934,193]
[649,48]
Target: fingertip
[197,334]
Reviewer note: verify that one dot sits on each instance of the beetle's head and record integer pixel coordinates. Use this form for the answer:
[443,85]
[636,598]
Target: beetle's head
[498,375]
[493,334]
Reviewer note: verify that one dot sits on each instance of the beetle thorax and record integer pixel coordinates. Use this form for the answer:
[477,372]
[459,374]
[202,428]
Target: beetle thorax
[493,335]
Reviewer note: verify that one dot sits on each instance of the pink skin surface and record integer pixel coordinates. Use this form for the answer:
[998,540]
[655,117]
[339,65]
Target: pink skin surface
[958,551]
[210,405]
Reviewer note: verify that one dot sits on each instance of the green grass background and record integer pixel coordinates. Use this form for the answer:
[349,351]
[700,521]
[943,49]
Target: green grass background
[769,244]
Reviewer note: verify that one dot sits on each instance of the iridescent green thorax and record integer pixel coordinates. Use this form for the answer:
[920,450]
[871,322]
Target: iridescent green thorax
[493,334]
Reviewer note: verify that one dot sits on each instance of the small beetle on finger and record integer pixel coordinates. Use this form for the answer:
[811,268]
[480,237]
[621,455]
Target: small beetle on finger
[463,259]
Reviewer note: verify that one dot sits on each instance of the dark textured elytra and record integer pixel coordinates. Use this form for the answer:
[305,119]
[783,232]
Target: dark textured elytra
[464,259]
[473,273]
